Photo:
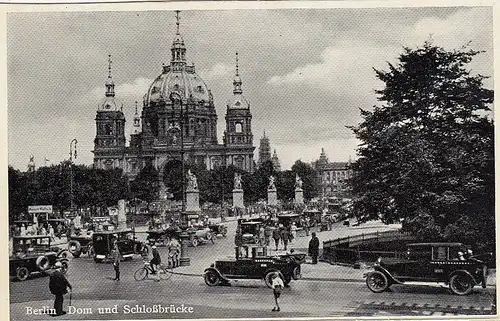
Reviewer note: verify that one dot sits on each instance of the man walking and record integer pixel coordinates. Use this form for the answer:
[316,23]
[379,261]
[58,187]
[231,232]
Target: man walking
[58,285]
[314,248]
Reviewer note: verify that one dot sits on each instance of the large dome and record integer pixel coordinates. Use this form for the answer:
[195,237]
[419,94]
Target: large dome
[183,80]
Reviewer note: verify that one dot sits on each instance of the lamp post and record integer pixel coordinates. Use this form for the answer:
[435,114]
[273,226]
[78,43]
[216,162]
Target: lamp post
[72,151]
[175,96]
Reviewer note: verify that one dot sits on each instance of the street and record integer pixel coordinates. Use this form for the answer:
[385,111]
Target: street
[326,295]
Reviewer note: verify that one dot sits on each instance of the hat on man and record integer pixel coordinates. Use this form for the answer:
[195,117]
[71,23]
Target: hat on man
[153,247]
[58,265]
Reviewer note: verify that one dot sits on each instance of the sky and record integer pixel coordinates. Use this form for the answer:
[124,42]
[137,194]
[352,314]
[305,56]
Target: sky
[305,72]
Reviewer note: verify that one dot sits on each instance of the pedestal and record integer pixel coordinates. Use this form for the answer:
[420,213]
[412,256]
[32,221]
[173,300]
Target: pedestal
[184,261]
[193,201]
[299,196]
[272,197]
[122,218]
[238,198]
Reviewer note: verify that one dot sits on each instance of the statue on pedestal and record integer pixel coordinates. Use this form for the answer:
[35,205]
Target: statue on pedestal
[271,183]
[298,182]
[192,181]
[237,181]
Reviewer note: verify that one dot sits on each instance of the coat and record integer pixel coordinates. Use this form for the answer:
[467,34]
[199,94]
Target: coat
[156,257]
[314,246]
[58,283]
[276,234]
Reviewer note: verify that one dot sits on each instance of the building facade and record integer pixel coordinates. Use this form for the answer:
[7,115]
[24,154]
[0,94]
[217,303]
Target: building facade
[332,176]
[178,119]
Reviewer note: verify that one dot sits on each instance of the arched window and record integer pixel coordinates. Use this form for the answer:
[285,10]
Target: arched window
[239,127]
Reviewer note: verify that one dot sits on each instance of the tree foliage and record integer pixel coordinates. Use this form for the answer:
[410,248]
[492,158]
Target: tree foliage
[426,155]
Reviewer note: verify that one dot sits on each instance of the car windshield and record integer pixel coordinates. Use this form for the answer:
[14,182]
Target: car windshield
[248,228]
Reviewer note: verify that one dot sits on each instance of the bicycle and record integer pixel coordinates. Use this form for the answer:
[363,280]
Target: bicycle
[143,272]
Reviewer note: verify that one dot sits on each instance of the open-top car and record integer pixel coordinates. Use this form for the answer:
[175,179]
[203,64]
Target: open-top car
[34,254]
[255,263]
[163,236]
[218,229]
[127,244]
[449,263]
[199,234]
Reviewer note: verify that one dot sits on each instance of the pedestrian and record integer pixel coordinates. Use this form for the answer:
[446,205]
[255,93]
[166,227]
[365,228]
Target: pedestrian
[52,233]
[59,229]
[314,248]
[268,233]
[285,237]
[276,236]
[174,249]
[116,260]
[277,286]
[262,235]
[58,285]
[307,225]
[293,231]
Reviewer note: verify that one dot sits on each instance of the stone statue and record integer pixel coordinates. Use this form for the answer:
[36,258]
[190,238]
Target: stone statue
[298,181]
[192,181]
[271,183]
[237,181]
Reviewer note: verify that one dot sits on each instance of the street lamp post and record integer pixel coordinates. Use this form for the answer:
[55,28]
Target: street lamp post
[174,97]
[72,151]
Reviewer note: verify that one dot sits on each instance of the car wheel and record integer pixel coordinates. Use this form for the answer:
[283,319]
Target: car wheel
[65,266]
[90,250]
[22,273]
[194,241]
[296,274]
[377,282]
[212,278]
[42,262]
[75,248]
[461,284]
[287,280]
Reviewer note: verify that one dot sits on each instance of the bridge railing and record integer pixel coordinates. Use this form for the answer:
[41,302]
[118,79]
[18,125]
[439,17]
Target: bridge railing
[349,250]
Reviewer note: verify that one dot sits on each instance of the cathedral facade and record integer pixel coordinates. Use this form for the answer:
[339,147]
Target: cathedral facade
[178,120]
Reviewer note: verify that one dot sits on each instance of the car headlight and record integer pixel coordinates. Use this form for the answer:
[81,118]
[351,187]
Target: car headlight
[379,260]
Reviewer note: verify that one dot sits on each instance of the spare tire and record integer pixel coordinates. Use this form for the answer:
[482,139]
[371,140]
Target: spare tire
[75,248]
[42,262]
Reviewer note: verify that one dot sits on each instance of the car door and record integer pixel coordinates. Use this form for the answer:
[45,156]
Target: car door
[417,267]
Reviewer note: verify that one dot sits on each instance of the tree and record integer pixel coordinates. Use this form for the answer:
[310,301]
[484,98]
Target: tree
[427,154]
[145,186]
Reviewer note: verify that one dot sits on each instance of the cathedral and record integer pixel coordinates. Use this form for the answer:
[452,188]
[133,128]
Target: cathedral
[178,120]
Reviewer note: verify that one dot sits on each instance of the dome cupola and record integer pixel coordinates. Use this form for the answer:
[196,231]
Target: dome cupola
[238,101]
[178,77]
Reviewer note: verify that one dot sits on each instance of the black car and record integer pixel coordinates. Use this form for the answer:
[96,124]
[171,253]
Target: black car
[34,254]
[127,244]
[254,263]
[449,263]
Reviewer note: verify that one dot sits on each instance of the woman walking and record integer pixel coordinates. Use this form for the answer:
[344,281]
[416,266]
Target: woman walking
[277,286]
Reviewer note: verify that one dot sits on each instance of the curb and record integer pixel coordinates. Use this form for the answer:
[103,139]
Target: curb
[333,280]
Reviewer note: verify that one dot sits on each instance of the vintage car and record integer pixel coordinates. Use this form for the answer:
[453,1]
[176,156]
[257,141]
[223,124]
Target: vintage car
[81,243]
[197,234]
[313,215]
[254,262]
[34,254]
[249,232]
[127,244]
[288,218]
[431,262]
[163,236]
[218,229]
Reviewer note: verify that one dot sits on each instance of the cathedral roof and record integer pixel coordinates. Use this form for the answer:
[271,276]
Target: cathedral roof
[178,77]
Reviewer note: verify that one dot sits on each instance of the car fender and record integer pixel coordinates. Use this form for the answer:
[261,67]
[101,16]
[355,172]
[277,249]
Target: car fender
[216,271]
[463,272]
[389,276]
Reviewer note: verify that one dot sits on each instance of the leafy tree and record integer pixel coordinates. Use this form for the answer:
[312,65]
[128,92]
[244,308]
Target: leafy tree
[427,153]
[145,186]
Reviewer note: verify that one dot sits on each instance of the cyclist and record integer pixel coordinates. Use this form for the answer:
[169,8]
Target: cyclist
[156,260]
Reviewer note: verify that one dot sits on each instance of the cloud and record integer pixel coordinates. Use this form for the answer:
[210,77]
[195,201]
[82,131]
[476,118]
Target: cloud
[218,71]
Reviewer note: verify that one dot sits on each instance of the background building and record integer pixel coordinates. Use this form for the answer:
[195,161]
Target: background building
[332,176]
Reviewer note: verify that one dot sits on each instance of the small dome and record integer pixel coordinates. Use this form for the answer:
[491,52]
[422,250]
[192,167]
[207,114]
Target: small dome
[183,80]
